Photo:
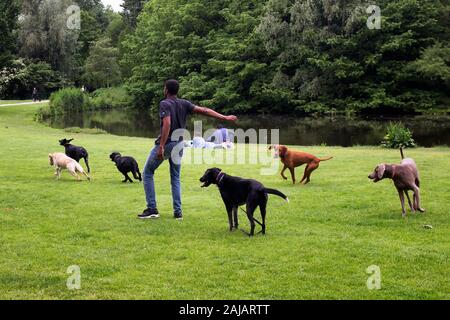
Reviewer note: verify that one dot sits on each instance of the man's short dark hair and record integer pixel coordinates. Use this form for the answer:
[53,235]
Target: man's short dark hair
[172,86]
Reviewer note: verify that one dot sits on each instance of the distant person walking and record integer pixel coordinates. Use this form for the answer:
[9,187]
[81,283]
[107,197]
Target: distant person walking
[35,94]
[173,113]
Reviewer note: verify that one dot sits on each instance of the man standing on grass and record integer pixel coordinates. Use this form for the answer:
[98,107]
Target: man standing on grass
[173,113]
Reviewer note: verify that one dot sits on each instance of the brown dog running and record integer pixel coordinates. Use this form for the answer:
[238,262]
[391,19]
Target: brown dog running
[292,159]
[406,177]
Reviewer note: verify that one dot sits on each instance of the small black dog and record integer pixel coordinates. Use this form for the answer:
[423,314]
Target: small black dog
[76,153]
[236,192]
[125,165]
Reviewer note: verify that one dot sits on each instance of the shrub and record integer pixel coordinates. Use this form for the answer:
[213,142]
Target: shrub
[398,137]
[107,98]
[68,100]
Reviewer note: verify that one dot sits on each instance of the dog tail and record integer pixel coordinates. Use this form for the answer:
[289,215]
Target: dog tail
[86,160]
[326,159]
[277,193]
[136,172]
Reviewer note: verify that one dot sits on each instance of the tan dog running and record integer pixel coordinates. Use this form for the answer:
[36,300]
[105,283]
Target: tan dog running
[60,161]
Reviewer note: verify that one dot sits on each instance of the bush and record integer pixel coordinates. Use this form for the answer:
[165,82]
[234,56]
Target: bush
[71,100]
[398,137]
[68,100]
[108,98]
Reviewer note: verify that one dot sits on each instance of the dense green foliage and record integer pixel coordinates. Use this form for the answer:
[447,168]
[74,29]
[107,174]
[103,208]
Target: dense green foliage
[41,39]
[73,100]
[209,45]
[102,69]
[44,34]
[68,100]
[9,11]
[21,75]
[326,56]
[115,97]
[292,56]
[265,56]
[131,11]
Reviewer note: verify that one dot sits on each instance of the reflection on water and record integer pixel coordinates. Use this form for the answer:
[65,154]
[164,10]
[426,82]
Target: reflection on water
[337,131]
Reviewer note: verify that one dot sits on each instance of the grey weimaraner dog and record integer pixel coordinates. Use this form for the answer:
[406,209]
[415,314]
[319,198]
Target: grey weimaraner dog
[406,177]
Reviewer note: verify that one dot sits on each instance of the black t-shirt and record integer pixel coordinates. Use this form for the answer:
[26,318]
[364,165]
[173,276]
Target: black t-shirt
[177,110]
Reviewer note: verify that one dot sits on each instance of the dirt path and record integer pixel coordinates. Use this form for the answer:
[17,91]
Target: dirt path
[22,103]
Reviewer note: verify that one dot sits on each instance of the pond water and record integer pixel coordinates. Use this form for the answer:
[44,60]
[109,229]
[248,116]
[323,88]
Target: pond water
[428,131]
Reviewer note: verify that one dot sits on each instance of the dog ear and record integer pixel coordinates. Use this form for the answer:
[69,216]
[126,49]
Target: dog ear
[380,171]
[70,140]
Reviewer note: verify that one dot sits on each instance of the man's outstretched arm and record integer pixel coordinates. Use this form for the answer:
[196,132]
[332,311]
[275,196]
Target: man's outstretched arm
[213,114]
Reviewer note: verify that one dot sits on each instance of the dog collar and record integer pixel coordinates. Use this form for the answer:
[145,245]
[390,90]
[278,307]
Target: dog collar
[220,177]
[393,172]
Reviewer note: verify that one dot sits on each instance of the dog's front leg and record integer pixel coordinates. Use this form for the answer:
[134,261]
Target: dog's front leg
[230,217]
[282,172]
[292,174]
[58,173]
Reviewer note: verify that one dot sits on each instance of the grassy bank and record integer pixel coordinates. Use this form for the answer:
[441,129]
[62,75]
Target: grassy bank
[318,246]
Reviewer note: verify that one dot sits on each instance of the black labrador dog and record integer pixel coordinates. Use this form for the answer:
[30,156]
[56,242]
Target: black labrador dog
[76,153]
[236,192]
[126,165]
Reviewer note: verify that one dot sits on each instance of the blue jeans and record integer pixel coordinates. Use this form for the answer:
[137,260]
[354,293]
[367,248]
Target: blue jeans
[175,170]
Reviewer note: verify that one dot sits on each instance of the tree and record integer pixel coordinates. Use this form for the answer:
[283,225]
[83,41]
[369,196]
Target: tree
[209,45]
[45,36]
[116,29]
[97,10]
[102,69]
[131,10]
[17,80]
[90,32]
[325,56]
[9,11]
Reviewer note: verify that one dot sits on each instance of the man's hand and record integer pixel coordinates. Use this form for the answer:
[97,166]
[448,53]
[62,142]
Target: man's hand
[161,153]
[231,118]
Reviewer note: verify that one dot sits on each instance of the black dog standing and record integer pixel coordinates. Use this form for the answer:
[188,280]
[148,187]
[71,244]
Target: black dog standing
[126,165]
[236,192]
[76,153]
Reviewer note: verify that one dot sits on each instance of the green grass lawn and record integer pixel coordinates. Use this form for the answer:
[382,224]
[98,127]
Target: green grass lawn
[318,246]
